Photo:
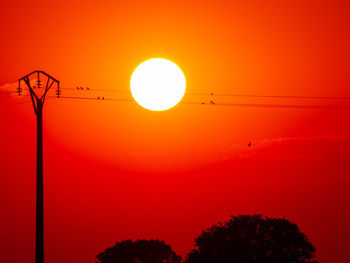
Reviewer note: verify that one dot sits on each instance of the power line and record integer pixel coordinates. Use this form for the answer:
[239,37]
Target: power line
[282,106]
[7,96]
[271,96]
[99,90]
[23,102]
[211,103]
[90,98]
[15,103]
[226,94]
[14,95]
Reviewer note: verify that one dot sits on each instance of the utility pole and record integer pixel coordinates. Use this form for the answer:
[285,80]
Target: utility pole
[33,81]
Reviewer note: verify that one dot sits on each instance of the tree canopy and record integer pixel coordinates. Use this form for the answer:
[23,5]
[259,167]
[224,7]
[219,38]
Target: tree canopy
[140,251]
[251,239]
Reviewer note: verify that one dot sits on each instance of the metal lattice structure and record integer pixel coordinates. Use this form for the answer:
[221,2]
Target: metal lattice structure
[38,103]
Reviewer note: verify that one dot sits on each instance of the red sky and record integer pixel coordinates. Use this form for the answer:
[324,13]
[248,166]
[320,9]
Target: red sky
[114,170]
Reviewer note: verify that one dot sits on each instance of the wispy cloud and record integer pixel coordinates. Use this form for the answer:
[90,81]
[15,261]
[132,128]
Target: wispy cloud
[9,88]
[298,148]
[336,137]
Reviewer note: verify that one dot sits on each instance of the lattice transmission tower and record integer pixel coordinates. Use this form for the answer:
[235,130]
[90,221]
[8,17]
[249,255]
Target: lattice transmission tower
[38,91]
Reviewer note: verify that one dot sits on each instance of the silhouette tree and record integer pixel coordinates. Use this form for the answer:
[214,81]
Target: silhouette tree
[251,239]
[140,251]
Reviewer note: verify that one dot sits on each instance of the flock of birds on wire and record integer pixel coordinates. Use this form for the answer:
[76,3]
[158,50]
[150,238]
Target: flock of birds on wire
[102,98]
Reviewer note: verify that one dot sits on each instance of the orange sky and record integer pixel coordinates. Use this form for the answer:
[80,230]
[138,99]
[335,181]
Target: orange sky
[114,170]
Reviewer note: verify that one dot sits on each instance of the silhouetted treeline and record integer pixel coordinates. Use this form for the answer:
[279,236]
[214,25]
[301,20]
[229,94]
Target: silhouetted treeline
[252,239]
[243,239]
[140,251]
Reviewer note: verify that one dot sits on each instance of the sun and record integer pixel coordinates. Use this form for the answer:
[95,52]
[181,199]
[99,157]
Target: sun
[158,84]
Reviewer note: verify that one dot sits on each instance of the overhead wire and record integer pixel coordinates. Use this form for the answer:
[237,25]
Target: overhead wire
[225,94]
[285,106]
[13,95]
[271,96]
[92,98]
[6,96]
[15,103]
[19,103]
[211,103]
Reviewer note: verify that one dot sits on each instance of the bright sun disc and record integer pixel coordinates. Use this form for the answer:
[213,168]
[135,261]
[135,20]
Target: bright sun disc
[158,84]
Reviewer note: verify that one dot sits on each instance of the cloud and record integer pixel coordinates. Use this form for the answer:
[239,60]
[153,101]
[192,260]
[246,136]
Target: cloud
[336,137]
[11,88]
[294,148]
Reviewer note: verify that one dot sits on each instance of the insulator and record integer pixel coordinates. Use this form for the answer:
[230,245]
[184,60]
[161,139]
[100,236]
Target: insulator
[19,89]
[38,81]
[58,93]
